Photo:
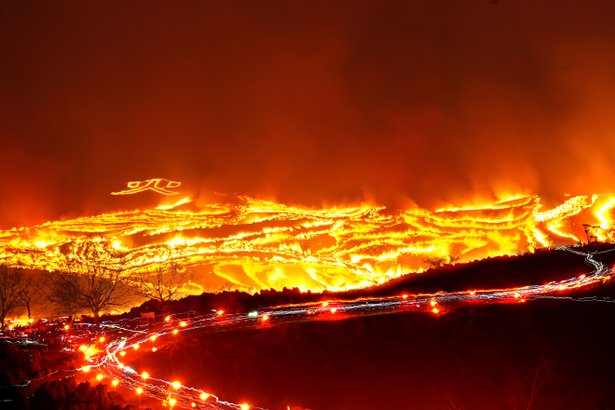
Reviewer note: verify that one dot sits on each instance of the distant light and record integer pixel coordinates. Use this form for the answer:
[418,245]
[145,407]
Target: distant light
[193,404]
[253,314]
[66,327]
[219,312]
[135,346]
[101,339]
[172,402]
[183,324]
[167,319]
[333,310]
[153,338]
[122,353]
[265,318]
[204,396]
[85,369]
[245,406]
[404,296]
[176,385]
[433,303]
[175,331]
[435,310]
[154,349]
[145,375]
[325,304]
[82,348]
[139,390]
[115,382]
[99,377]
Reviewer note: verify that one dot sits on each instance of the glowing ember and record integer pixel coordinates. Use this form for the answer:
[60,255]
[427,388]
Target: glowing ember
[251,244]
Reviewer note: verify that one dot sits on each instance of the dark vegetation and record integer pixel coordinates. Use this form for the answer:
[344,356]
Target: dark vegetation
[67,394]
[31,378]
[544,354]
[503,271]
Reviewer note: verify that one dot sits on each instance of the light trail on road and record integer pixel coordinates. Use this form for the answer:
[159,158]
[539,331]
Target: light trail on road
[110,362]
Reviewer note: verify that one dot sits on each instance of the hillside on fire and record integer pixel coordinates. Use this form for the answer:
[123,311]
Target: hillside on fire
[456,358]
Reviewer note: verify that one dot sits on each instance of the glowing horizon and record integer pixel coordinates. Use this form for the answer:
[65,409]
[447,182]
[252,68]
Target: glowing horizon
[247,244]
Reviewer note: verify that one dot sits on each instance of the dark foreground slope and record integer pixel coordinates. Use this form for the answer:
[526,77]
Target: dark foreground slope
[541,355]
[544,354]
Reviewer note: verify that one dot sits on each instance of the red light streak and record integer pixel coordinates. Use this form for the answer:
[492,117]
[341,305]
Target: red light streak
[184,396]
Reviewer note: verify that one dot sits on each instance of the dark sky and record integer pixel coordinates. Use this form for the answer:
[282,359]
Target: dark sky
[309,102]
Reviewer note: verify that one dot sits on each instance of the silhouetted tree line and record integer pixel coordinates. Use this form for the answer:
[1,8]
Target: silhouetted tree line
[504,271]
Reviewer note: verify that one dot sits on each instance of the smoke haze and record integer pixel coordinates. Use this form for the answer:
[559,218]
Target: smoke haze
[426,102]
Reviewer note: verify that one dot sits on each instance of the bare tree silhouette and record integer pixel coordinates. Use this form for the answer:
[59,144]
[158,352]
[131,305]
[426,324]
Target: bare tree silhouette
[30,290]
[10,284]
[93,280]
[162,283]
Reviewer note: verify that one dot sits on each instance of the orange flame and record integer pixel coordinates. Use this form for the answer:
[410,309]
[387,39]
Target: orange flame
[253,244]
